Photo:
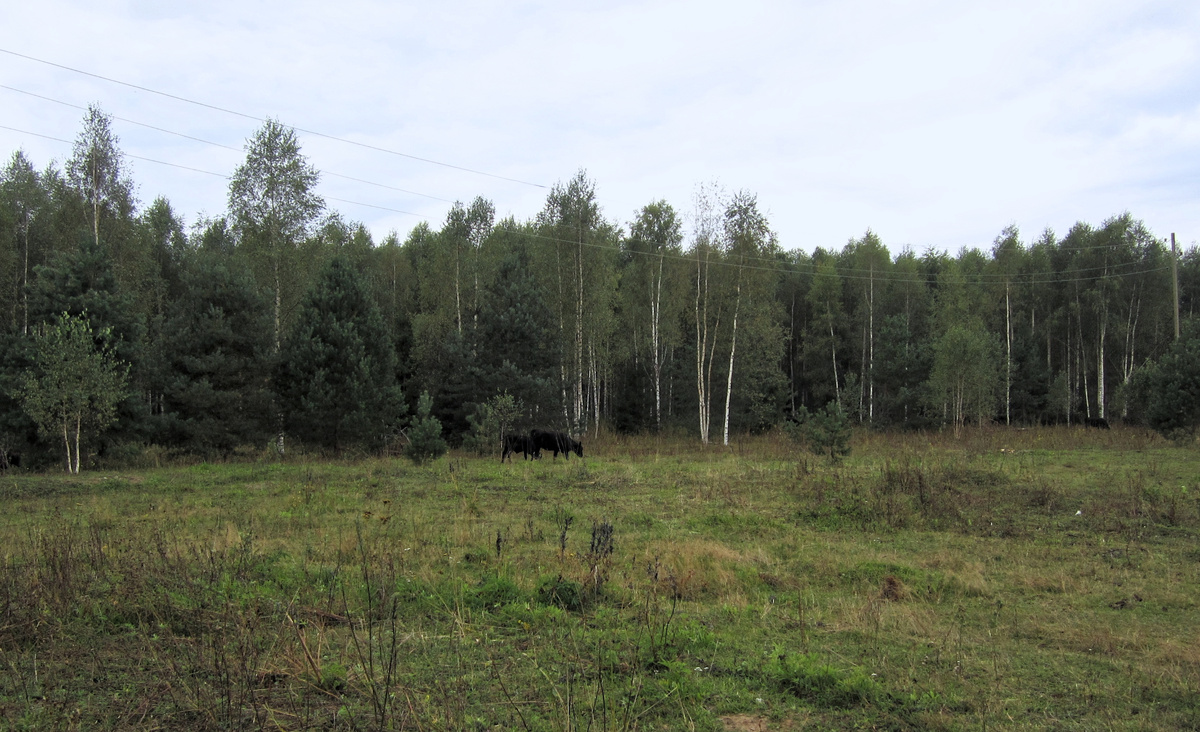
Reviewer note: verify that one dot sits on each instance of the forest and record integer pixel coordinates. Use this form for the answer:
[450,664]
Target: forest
[122,327]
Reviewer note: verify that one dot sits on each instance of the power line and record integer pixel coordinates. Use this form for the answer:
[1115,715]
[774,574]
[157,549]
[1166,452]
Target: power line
[844,272]
[848,273]
[209,172]
[1027,278]
[315,133]
[219,144]
[780,268]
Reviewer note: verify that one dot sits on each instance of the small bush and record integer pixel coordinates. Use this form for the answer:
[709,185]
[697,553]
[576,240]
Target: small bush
[495,592]
[826,432]
[491,421]
[425,441]
[560,592]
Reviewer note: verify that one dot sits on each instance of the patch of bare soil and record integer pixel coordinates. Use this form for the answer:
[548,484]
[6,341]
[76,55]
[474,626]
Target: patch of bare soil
[751,723]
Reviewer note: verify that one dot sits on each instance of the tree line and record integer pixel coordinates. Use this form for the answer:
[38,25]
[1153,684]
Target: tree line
[281,319]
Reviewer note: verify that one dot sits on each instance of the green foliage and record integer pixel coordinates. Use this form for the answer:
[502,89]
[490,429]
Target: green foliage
[425,440]
[515,351]
[97,171]
[1169,389]
[494,592]
[73,386]
[491,422]
[723,602]
[273,206]
[217,352]
[559,592]
[965,376]
[578,319]
[336,374]
[826,432]
[821,684]
[82,281]
[902,363]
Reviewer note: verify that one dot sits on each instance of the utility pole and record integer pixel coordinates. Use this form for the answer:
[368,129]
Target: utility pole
[1175,282]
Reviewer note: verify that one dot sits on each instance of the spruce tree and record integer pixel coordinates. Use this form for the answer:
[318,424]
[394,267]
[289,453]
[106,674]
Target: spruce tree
[425,433]
[517,353]
[217,352]
[335,379]
[1168,390]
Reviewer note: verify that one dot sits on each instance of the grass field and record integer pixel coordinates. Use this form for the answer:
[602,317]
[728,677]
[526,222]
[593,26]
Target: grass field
[1003,579]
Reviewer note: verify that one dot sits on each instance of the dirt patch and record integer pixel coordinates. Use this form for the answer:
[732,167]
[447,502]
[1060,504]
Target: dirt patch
[893,589]
[751,723]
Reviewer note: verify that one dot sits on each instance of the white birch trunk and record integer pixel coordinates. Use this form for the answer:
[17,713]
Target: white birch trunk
[95,201]
[1008,354]
[279,441]
[67,443]
[1100,411]
[78,429]
[25,283]
[837,389]
[701,346]
[580,408]
[1080,371]
[871,353]
[656,364]
[732,351]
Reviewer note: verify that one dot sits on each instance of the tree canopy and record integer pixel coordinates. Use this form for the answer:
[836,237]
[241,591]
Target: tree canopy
[280,315]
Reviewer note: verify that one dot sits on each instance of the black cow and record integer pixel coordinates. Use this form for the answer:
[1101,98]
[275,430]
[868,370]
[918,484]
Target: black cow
[556,442]
[522,444]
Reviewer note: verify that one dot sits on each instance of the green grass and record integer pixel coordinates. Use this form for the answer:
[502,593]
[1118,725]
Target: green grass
[1005,579]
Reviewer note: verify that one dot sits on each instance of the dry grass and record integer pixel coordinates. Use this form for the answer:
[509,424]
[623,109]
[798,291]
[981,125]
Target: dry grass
[955,569]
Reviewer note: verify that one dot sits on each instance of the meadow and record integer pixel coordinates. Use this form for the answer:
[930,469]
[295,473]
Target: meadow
[1042,578]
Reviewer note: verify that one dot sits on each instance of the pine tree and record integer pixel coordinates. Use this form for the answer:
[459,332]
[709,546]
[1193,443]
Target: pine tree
[217,352]
[1169,388]
[425,441]
[336,378]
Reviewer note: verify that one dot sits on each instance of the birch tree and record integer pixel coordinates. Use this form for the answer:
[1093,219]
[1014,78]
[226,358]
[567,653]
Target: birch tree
[869,261]
[706,254]
[74,385]
[581,262]
[749,245]
[272,204]
[1007,253]
[825,299]
[96,169]
[965,377]
[652,287]
[23,194]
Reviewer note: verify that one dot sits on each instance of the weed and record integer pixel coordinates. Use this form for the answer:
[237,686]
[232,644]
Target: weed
[820,684]
[560,592]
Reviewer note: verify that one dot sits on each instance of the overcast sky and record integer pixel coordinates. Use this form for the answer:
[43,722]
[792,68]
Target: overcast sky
[935,124]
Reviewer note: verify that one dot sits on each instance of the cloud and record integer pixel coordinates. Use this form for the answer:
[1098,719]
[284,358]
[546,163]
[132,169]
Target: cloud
[933,123]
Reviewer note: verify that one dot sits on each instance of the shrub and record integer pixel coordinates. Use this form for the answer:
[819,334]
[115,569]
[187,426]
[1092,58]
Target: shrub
[425,440]
[491,421]
[495,591]
[826,432]
[560,592]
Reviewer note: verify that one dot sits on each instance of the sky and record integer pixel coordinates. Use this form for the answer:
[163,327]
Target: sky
[933,124]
